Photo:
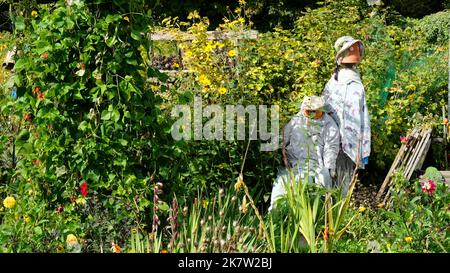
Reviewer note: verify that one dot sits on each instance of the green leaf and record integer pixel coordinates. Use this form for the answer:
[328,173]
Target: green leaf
[163,206]
[20,64]
[60,171]
[123,142]
[136,35]
[38,231]
[83,125]
[111,41]
[115,115]
[106,115]
[20,23]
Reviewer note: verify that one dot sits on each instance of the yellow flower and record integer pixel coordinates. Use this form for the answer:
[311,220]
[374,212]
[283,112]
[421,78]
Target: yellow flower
[222,90]
[220,45]
[241,2]
[362,209]
[411,87]
[71,240]
[80,201]
[188,53]
[34,13]
[126,19]
[408,239]
[381,205]
[26,218]
[208,48]
[232,53]
[237,10]
[204,80]
[314,64]
[240,183]
[205,203]
[9,202]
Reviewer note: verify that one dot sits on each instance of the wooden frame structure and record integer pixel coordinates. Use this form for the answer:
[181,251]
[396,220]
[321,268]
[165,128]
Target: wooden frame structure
[409,158]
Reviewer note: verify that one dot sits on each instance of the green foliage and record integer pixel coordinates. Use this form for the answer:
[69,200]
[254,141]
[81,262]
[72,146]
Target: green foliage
[91,108]
[220,223]
[414,222]
[436,27]
[81,81]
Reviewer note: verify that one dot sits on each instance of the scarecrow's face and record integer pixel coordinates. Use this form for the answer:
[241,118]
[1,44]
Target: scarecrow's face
[353,54]
[314,114]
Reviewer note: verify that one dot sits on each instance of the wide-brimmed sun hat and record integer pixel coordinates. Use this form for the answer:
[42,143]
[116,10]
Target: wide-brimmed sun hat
[343,43]
[313,103]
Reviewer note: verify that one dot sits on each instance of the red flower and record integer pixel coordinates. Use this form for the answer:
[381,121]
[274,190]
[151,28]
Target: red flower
[428,186]
[84,189]
[41,96]
[60,209]
[36,90]
[44,56]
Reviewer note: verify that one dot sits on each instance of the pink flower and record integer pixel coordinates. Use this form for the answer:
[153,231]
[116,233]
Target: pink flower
[428,186]
[404,139]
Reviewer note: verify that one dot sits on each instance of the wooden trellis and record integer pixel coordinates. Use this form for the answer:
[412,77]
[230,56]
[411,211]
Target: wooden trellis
[409,158]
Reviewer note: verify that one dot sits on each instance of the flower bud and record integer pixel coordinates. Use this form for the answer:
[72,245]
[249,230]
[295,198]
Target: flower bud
[221,193]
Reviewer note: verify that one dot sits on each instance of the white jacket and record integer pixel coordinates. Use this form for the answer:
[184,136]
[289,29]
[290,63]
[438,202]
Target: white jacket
[311,141]
[348,108]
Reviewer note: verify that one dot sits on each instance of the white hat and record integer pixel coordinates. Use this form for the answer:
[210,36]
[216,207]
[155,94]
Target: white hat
[313,103]
[344,43]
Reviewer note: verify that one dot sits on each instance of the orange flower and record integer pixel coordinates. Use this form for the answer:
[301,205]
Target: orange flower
[41,96]
[26,117]
[44,56]
[36,90]
[36,162]
[116,248]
